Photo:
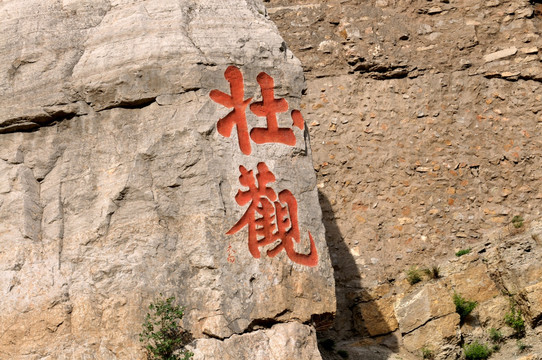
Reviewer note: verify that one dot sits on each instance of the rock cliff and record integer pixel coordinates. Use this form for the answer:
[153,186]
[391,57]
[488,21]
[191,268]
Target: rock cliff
[154,147]
[159,146]
[425,118]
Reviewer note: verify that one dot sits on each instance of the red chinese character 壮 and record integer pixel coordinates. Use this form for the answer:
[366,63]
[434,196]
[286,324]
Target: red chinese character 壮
[269,107]
[236,117]
[270,217]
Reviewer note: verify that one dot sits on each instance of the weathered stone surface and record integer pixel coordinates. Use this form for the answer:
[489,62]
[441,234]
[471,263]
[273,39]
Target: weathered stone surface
[474,283]
[475,133]
[436,333]
[376,317]
[426,303]
[501,54]
[491,313]
[73,50]
[131,189]
[531,298]
[378,348]
[290,341]
[422,148]
[516,267]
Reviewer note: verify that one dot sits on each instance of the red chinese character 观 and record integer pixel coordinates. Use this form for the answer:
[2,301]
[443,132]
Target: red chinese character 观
[270,218]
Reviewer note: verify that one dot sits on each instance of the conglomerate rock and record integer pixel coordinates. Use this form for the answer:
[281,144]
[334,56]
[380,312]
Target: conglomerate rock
[426,122]
[115,184]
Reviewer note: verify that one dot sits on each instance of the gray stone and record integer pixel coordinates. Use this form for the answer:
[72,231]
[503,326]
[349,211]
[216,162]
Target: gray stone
[130,190]
[281,342]
[501,54]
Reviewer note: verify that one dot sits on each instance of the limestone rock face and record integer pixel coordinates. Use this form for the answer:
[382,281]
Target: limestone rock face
[116,185]
[291,341]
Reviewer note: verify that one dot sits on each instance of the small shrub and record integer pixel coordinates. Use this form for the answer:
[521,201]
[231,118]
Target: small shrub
[328,344]
[514,319]
[162,332]
[414,275]
[496,347]
[433,272]
[522,346]
[427,353]
[495,335]
[463,252]
[462,306]
[517,221]
[476,351]
[343,354]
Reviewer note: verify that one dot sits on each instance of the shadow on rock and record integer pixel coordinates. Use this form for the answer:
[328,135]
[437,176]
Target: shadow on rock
[359,330]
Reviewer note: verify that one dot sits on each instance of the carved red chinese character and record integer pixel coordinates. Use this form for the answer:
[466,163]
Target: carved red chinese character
[269,107]
[297,119]
[270,218]
[236,117]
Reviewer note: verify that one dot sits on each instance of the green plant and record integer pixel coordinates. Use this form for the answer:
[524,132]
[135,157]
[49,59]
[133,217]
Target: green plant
[522,346]
[462,306]
[328,344]
[427,353]
[343,354]
[514,319]
[414,275]
[433,272]
[476,351]
[495,335]
[517,221]
[463,252]
[162,334]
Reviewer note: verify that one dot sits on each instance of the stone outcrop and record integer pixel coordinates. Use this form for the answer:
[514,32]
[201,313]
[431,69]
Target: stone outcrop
[116,185]
[289,341]
[117,180]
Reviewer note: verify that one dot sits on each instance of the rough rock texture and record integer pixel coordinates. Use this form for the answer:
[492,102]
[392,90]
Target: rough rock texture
[291,341]
[115,184]
[426,119]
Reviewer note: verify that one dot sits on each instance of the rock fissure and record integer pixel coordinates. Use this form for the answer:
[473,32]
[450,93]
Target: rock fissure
[140,103]
[61,230]
[33,123]
[425,323]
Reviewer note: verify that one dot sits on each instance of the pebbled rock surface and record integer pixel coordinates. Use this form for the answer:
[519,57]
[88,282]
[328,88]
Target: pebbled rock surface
[115,185]
[425,118]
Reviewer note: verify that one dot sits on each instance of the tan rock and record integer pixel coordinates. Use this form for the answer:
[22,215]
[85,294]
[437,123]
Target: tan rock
[491,313]
[291,341]
[529,357]
[376,317]
[529,50]
[472,116]
[531,298]
[501,54]
[474,283]
[422,305]
[438,332]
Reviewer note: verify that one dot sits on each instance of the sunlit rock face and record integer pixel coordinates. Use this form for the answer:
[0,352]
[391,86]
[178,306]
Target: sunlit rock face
[117,182]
